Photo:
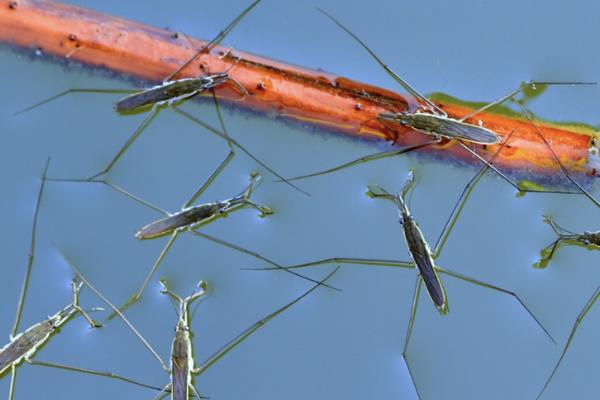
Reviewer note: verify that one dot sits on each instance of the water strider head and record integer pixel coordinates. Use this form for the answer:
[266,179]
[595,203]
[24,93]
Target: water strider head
[182,304]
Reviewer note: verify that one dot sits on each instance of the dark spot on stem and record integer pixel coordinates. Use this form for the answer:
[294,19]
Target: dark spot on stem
[357,107]
[13,5]
[260,85]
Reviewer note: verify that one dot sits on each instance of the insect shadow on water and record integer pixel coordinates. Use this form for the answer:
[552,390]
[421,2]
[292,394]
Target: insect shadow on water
[192,217]
[433,121]
[183,368]
[423,257]
[170,93]
[23,346]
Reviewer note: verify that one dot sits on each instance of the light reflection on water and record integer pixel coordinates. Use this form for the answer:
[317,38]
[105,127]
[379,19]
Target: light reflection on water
[332,345]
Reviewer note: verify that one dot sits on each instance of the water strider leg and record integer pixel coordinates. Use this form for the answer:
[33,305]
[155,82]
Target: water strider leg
[264,210]
[88,371]
[387,69]
[498,289]
[161,256]
[560,231]
[117,189]
[371,157]
[138,131]
[344,260]
[76,287]
[546,255]
[413,313]
[578,321]
[13,381]
[409,329]
[209,180]
[215,41]
[253,254]
[462,199]
[507,179]
[74,90]
[555,156]
[164,392]
[220,134]
[250,330]
[31,256]
[514,92]
[195,392]
[116,310]
[221,166]
[563,235]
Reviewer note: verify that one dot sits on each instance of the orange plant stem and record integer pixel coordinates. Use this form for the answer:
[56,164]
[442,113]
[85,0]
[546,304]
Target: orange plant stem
[332,102]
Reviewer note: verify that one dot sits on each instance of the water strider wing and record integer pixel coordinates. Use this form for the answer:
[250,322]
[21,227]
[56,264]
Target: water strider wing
[160,94]
[191,216]
[421,255]
[455,129]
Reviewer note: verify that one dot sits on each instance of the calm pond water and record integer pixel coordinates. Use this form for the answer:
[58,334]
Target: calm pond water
[332,345]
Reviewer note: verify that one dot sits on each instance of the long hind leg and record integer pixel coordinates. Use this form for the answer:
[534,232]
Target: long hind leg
[136,134]
[253,254]
[74,90]
[222,135]
[13,381]
[256,326]
[460,203]
[578,321]
[365,159]
[409,329]
[31,256]
[89,371]
[497,289]
[215,41]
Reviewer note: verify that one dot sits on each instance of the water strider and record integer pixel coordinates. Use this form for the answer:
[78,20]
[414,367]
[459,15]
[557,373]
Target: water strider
[423,257]
[169,93]
[183,367]
[590,239]
[433,121]
[24,345]
[192,217]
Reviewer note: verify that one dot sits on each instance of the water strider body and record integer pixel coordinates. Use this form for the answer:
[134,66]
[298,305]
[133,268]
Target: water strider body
[442,126]
[183,368]
[589,239]
[24,345]
[190,217]
[171,92]
[418,247]
[423,257]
